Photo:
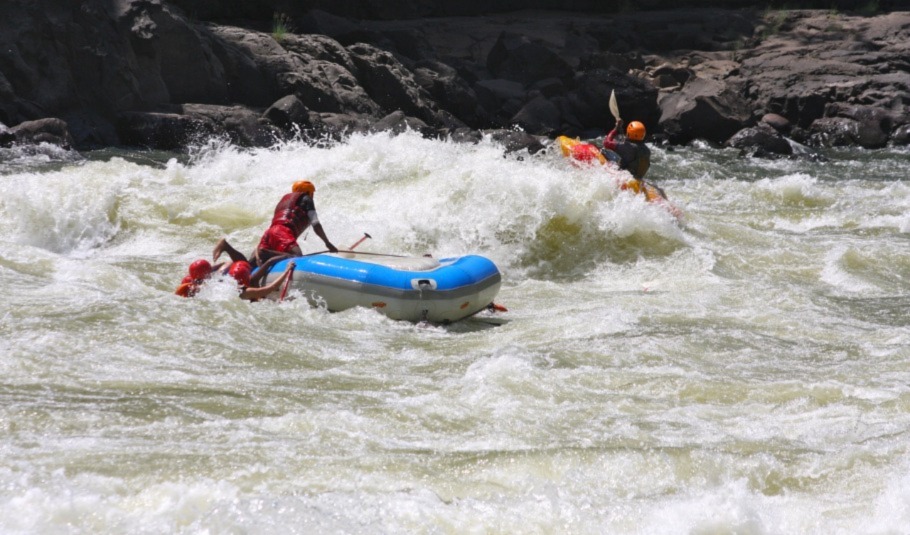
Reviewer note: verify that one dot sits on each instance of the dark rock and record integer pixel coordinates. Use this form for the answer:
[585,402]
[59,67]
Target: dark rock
[672,75]
[612,60]
[163,131]
[515,141]
[901,136]
[397,123]
[549,87]
[874,124]
[703,109]
[761,140]
[319,21]
[389,83]
[589,101]
[540,117]
[243,126]
[525,60]
[90,130]
[288,112]
[777,122]
[339,125]
[451,92]
[7,137]
[95,62]
[503,98]
[50,130]
[833,132]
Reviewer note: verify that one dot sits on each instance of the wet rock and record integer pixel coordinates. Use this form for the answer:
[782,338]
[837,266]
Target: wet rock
[288,112]
[162,131]
[243,126]
[93,63]
[397,123]
[833,132]
[761,140]
[539,116]
[901,136]
[873,125]
[50,130]
[7,137]
[516,141]
[777,122]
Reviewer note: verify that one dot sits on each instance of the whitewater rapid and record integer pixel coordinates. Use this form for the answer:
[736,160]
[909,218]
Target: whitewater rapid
[743,371]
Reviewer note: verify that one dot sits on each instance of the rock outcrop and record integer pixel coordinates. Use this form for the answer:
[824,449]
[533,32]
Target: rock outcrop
[144,73]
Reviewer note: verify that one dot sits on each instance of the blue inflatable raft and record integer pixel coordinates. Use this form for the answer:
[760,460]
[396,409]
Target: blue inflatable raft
[401,287]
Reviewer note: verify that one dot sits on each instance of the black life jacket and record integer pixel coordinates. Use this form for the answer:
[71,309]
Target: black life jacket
[635,158]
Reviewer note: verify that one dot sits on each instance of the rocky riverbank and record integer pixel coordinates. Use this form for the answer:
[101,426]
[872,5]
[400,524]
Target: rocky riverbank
[143,73]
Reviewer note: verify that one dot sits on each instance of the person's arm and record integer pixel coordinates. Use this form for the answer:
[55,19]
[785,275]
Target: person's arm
[317,228]
[263,270]
[255,294]
[610,140]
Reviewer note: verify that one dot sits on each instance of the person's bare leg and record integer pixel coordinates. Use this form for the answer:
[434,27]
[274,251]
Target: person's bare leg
[224,247]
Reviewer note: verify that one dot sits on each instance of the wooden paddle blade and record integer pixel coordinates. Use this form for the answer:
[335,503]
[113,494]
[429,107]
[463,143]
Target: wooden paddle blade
[614,106]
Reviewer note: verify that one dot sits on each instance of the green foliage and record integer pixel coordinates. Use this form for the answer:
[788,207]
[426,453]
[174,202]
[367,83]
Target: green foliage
[281,26]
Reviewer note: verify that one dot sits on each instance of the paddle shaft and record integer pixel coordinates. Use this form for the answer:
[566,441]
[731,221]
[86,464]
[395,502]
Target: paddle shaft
[287,283]
[358,242]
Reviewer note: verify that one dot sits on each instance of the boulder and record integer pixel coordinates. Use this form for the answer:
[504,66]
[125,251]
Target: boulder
[397,123]
[874,124]
[7,137]
[589,101]
[50,130]
[288,112]
[761,140]
[390,84]
[833,132]
[91,130]
[162,131]
[243,126]
[703,109]
[515,141]
[777,122]
[540,117]
[451,92]
[901,136]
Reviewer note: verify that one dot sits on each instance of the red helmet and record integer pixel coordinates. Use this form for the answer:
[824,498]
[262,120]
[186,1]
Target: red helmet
[241,270]
[200,269]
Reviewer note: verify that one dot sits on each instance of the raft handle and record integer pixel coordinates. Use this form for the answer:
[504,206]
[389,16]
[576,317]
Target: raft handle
[423,284]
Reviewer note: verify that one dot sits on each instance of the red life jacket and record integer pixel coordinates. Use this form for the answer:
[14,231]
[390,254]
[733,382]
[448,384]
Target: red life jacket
[291,214]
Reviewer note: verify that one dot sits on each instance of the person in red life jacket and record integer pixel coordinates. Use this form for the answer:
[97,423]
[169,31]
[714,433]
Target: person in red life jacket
[199,271]
[249,289]
[293,214]
[239,270]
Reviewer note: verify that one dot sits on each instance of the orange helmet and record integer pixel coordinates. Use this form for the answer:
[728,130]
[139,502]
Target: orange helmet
[635,131]
[200,269]
[241,271]
[304,186]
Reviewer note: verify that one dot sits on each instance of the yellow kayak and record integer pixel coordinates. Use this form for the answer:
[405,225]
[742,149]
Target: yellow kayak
[580,151]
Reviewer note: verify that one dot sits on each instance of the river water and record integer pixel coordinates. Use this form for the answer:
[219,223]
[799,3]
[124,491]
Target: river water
[746,371]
